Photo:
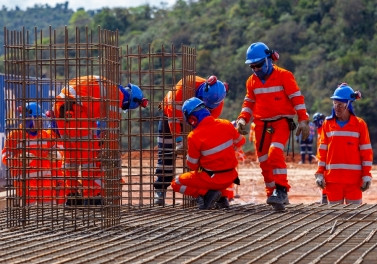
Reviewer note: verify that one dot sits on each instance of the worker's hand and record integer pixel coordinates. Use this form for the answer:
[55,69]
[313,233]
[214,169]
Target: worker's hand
[320,181]
[303,129]
[366,183]
[241,126]
[179,145]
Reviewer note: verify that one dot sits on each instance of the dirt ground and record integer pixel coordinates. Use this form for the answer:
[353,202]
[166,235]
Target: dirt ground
[300,177]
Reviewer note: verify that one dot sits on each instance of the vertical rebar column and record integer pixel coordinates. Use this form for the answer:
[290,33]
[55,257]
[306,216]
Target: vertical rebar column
[156,70]
[63,128]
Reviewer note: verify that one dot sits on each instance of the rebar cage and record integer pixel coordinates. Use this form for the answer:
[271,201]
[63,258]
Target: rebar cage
[73,157]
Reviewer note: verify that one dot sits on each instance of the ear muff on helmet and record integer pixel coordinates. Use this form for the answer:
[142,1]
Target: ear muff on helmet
[211,80]
[192,120]
[273,54]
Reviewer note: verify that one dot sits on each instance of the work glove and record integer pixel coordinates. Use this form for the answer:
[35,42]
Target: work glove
[241,126]
[303,129]
[366,183]
[320,181]
[179,144]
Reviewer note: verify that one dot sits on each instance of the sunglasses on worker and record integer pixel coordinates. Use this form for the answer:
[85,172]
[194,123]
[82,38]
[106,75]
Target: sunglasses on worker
[257,65]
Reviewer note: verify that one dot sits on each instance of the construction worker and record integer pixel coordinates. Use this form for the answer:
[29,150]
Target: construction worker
[306,146]
[345,151]
[212,92]
[212,159]
[81,113]
[272,100]
[318,119]
[28,153]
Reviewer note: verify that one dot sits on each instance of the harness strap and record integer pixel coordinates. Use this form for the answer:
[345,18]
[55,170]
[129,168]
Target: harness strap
[210,173]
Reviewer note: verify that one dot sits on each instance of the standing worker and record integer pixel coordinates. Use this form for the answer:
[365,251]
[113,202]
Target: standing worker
[80,116]
[272,100]
[212,158]
[318,119]
[306,146]
[345,152]
[212,92]
[28,153]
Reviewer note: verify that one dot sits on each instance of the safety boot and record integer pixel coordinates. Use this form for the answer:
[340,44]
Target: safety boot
[210,198]
[279,198]
[97,200]
[74,199]
[223,202]
[159,197]
[324,199]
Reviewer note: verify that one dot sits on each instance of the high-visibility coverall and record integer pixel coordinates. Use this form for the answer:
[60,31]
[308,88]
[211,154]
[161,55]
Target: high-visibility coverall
[319,132]
[170,127]
[345,157]
[271,104]
[28,157]
[88,99]
[212,159]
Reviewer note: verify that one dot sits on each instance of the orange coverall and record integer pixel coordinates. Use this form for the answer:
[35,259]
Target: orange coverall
[207,153]
[271,104]
[173,111]
[32,158]
[345,157]
[77,108]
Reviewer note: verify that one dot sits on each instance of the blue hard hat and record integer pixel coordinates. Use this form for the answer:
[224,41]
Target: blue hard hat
[318,116]
[191,105]
[344,93]
[212,92]
[256,52]
[133,97]
[33,109]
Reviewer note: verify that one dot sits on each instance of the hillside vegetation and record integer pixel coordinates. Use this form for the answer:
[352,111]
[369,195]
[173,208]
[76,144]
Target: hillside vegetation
[323,42]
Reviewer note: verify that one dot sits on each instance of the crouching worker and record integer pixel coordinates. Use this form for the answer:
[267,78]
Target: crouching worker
[211,156]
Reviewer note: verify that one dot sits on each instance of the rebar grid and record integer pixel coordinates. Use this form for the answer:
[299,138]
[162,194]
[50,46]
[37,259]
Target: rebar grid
[248,233]
[58,158]
[156,70]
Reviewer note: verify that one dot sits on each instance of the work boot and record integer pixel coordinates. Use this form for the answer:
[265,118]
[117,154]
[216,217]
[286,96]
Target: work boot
[210,198]
[324,199]
[159,197]
[94,201]
[200,202]
[74,199]
[278,198]
[223,202]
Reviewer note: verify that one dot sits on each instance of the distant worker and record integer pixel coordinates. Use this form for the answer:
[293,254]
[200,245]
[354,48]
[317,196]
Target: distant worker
[272,100]
[212,159]
[345,151]
[212,92]
[306,146]
[318,119]
[81,114]
[28,153]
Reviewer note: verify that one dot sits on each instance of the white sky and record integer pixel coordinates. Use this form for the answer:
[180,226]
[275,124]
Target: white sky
[86,4]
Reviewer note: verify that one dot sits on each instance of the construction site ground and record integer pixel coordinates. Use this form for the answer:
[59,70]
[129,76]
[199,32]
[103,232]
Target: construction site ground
[248,232]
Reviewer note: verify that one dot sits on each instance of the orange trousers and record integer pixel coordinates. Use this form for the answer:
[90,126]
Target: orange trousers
[343,193]
[271,157]
[195,183]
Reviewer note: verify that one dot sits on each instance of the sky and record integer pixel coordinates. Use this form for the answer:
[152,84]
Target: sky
[86,4]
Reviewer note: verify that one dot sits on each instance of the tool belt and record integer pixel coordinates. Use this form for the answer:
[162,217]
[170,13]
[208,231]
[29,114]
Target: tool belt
[210,173]
[291,124]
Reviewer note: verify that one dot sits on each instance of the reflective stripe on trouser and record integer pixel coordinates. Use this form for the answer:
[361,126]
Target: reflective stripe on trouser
[164,170]
[272,158]
[90,180]
[196,183]
[343,193]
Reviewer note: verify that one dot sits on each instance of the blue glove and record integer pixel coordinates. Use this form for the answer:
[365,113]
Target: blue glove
[179,143]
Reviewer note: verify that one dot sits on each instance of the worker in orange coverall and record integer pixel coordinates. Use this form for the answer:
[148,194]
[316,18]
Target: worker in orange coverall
[80,111]
[28,153]
[212,158]
[345,151]
[212,92]
[318,119]
[272,100]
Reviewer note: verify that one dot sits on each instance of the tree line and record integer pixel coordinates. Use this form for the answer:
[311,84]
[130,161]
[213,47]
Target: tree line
[323,42]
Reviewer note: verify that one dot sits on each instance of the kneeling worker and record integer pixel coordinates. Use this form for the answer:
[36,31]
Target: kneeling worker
[212,158]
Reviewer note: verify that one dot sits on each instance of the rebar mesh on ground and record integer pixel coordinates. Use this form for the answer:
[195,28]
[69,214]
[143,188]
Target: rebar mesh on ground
[250,233]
